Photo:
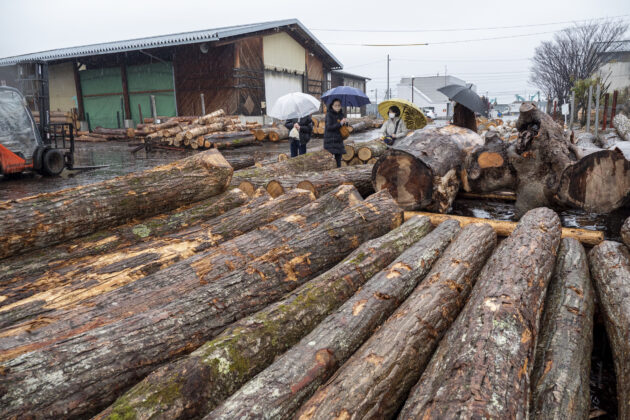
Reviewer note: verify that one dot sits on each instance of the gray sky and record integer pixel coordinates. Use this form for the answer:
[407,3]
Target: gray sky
[499,66]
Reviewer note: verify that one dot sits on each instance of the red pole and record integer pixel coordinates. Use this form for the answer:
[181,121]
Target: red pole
[614,108]
[605,111]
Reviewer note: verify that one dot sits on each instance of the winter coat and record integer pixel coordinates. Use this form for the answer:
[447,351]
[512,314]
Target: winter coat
[306,127]
[390,125]
[332,136]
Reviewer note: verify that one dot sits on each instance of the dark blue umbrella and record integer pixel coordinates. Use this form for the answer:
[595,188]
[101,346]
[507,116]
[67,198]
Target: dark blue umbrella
[348,96]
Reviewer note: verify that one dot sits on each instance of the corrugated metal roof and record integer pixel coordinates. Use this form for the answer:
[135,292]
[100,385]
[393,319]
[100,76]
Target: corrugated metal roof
[208,35]
[429,86]
[350,75]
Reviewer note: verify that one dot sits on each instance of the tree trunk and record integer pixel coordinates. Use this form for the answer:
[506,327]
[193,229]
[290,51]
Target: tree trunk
[625,232]
[18,273]
[599,182]
[239,161]
[487,168]
[610,268]
[561,375]
[194,132]
[51,218]
[235,143]
[357,127]
[482,366]
[211,117]
[261,133]
[505,228]
[374,382]
[320,183]
[87,286]
[225,135]
[372,149]
[261,337]
[421,170]
[278,133]
[278,391]
[87,372]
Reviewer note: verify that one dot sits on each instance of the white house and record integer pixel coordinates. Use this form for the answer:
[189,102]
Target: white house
[425,94]
[617,68]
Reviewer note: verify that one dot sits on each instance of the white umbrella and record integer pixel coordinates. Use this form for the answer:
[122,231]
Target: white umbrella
[294,105]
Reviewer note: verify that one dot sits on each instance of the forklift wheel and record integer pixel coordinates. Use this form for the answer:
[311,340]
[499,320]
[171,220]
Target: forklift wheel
[53,162]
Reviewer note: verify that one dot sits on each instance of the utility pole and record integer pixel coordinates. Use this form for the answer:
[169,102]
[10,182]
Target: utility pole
[411,89]
[387,91]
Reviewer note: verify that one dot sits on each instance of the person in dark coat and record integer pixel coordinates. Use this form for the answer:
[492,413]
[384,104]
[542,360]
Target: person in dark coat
[304,126]
[464,117]
[333,141]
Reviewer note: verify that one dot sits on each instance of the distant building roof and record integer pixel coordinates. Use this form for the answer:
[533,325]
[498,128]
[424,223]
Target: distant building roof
[429,86]
[350,75]
[207,35]
[619,50]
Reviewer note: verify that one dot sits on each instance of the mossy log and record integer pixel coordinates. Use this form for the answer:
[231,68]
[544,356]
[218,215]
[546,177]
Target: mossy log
[610,268]
[625,232]
[84,374]
[421,171]
[50,218]
[88,287]
[561,375]
[199,382]
[487,168]
[375,381]
[482,366]
[278,391]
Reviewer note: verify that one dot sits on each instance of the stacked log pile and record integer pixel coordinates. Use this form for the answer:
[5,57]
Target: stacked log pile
[363,153]
[355,125]
[507,131]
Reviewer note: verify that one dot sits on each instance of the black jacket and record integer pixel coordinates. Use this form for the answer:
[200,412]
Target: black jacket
[306,127]
[332,136]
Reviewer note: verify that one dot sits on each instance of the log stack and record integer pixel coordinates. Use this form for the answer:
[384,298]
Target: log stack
[355,125]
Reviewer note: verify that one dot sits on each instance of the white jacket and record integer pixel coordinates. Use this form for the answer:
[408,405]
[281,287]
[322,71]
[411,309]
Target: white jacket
[390,125]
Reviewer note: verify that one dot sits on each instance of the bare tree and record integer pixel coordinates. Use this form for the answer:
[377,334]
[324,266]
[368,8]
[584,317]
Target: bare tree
[575,53]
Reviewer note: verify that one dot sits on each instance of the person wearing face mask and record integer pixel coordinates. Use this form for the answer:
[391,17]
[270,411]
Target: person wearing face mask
[333,142]
[394,128]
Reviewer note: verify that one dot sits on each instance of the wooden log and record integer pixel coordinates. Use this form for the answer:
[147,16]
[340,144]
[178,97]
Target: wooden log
[372,149]
[278,391]
[505,196]
[211,117]
[561,375]
[108,359]
[261,134]
[43,220]
[421,171]
[228,135]
[282,157]
[505,228]
[194,132]
[482,366]
[350,152]
[358,126]
[320,183]
[487,168]
[240,162]
[261,337]
[84,286]
[278,133]
[120,132]
[18,272]
[172,131]
[274,188]
[625,232]
[599,182]
[375,381]
[610,267]
[234,142]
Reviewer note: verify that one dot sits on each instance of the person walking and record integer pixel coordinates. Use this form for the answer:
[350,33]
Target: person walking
[304,128]
[333,142]
[394,128]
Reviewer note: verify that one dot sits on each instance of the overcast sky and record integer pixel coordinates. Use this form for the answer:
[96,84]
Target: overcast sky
[499,66]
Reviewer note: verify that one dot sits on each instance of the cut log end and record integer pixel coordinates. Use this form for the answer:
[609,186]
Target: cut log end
[408,180]
[282,157]
[275,189]
[490,160]
[247,187]
[349,155]
[308,186]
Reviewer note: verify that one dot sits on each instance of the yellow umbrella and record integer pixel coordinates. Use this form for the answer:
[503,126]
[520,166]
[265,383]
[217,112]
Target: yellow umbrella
[409,112]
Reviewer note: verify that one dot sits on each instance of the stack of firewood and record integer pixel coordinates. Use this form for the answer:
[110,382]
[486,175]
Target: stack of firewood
[363,153]
[103,134]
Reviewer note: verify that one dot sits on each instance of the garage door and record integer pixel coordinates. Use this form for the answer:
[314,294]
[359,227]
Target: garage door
[151,79]
[102,96]
[278,84]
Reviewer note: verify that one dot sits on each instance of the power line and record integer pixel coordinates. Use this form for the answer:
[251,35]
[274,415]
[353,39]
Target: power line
[468,29]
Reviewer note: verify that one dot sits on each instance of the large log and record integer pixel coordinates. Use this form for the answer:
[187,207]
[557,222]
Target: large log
[374,382]
[505,228]
[211,117]
[372,149]
[87,287]
[278,133]
[261,133]
[194,132]
[278,391]
[487,168]
[197,386]
[625,232]
[610,267]
[240,162]
[51,218]
[228,135]
[18,271]
[85,373]
[482,366]
[622,126]
[234,143]
[421,171]
[358,126]
[561,375]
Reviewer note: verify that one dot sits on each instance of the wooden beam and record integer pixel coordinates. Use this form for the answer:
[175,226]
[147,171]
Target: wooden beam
[79,91]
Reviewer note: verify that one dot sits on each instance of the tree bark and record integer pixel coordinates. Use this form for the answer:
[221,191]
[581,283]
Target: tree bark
[372,149]
[374,382]
[599,182]
[487,168]
[239,161]
[561,375]
[278,133]
[610,268]
[51,218]
[261,134]
[482,366]
[211,117]
[625,232]
[278,391]
[86,286]
[234,143]
[19,273]
[421,171]
[258,339]
[85,373]
[357,127]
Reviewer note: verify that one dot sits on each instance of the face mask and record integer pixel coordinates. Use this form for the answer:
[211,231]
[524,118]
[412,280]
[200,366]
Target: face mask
[392,115]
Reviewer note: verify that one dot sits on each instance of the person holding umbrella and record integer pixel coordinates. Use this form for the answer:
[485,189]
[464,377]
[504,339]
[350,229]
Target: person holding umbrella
[394,127]
[467,103]
[304,128]
[333,142]
[464,117]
